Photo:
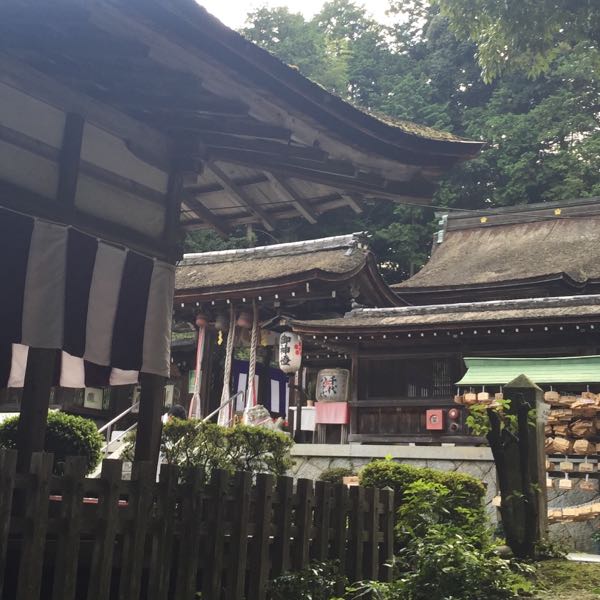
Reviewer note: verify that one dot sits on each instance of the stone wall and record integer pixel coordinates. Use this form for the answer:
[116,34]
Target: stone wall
[312,459]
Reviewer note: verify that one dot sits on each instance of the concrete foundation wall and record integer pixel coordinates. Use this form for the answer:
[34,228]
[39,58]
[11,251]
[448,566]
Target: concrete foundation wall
[312,459]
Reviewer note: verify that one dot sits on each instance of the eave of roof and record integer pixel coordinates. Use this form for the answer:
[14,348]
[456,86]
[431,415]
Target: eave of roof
[409,318]
[257,271]
[517,247]
[325,104]
[265,143]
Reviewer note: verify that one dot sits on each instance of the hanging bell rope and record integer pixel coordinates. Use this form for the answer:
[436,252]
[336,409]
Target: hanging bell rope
[226,413]
[195,404]
[251,393]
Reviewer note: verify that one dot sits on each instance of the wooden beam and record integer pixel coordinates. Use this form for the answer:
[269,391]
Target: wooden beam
[173,210]
[70,158]
[39,378]
[36,83]
[219,225]
[286,190]
[152,397]
[242,197]
[208,188]
[215,140]
[193,121]
[19,199]
[354,202]
[415,192]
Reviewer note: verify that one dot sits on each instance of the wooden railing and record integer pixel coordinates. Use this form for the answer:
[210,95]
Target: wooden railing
[68,537]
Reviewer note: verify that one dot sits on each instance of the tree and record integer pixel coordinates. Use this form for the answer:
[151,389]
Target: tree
[542,131]
[526,35]
[516,439]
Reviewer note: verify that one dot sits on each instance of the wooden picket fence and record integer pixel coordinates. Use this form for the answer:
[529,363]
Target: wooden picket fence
[69,537]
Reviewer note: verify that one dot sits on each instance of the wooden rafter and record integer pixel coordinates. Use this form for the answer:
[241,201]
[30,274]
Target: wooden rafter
[70,158]
[292,196]
[242,196]
[354,202]
[217,223]
[417,191]
[209,188]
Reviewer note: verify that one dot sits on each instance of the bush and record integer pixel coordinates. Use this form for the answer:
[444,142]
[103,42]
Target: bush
[466,491]
[66,435]
[444,565]
[317,582]
[192,444]
[444,497]
[336,474]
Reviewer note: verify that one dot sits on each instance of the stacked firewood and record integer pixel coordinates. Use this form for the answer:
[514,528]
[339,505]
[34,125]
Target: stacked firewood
[573,425]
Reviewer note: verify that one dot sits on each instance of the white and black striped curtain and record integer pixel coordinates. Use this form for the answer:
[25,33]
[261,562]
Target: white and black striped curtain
[106,307]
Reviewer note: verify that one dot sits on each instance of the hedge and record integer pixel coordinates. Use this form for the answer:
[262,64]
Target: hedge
[336,474]
[66,435]
[466,491]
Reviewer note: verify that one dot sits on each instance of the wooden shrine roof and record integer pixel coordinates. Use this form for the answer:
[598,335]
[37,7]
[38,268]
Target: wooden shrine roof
[250,272]
[264,143]
[553,244]
[493,313]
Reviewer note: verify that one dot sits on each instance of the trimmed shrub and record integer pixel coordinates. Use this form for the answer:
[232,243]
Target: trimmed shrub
[335,474]
[192,444]
[466,491]
[66,435]
[439,496]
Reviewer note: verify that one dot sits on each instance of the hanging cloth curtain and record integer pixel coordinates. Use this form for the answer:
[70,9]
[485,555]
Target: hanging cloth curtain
[102,305]
[251,395]
[195,411]
[226,413]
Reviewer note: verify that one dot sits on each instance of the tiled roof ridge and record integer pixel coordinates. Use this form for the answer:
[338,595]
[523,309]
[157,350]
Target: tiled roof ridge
[350,241]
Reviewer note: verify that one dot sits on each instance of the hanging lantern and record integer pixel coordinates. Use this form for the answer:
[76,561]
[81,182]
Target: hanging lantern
[332,385]
[244,320]
[290,352]
[201,320]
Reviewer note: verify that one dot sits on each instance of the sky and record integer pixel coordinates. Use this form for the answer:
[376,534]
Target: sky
[233,12]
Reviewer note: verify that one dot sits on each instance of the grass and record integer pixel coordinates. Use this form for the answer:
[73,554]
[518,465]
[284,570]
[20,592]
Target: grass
[567,580]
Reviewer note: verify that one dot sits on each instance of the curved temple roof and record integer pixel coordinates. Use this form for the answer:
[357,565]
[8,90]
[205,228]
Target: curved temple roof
[502,251]
[252,271]
[263,142]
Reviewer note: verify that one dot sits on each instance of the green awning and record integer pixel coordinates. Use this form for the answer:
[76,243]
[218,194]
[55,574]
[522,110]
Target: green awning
[499,371]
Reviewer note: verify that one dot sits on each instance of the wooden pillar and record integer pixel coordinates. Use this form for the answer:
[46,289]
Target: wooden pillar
[152,396]
[206,370]
[354,390]
[39,377]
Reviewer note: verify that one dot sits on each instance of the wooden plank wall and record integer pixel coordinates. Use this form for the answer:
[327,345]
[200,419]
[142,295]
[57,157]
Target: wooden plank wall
[74,538]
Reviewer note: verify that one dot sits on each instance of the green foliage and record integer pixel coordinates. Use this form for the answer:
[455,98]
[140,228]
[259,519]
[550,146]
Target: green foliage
[192,444]
[443,564]
[336,474]
[318,582]
[478,419]
[541,133]
[523,34]
[465,490]
[66,435]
